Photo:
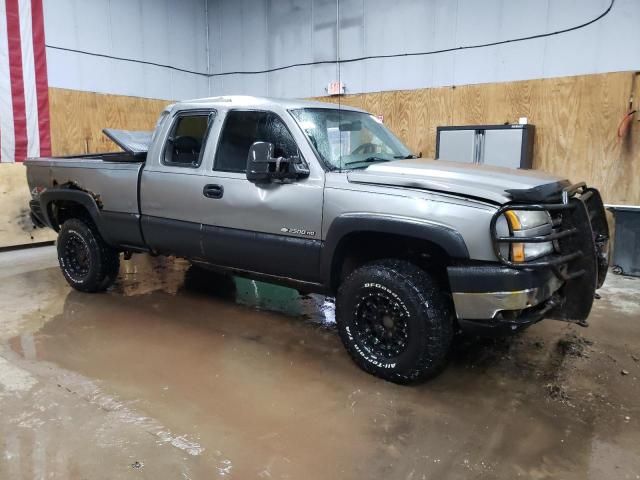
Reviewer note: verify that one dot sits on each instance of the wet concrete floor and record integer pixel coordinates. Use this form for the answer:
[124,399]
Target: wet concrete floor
[175,373]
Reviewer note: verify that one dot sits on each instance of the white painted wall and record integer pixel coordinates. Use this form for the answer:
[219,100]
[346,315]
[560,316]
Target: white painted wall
[262,34]
[161,31]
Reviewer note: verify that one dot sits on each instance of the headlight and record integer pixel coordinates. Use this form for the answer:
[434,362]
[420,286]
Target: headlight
[528,223]
[527,219]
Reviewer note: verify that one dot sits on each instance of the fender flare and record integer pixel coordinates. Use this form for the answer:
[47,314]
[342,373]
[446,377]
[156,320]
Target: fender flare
[49,196]
[447,238]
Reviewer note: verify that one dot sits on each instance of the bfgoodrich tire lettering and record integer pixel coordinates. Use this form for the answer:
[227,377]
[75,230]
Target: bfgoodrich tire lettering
[87,262]
[394,320]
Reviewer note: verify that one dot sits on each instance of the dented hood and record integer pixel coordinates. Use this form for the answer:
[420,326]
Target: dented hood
[478,181]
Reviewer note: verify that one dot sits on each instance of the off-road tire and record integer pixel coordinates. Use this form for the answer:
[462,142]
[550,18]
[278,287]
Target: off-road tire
[424,308]
[100,262]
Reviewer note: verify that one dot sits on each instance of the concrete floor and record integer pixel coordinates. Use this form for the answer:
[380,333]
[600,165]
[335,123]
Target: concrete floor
[174,375]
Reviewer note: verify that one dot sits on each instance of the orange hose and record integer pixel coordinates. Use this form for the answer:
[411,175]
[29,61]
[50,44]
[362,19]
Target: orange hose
[625,124]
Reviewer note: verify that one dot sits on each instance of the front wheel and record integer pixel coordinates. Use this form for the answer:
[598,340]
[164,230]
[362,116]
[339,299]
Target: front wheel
[394,320]
[87,262]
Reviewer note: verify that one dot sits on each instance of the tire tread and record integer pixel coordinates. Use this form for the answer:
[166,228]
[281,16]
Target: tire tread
[435,309]
[108,259]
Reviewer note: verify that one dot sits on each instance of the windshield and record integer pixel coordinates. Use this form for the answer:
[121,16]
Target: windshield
[347,139]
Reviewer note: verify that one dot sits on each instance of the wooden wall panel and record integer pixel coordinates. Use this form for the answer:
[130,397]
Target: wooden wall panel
[16,227]
[576,120]
[77,119]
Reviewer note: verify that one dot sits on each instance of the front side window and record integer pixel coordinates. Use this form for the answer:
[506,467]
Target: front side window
[348,139]
[187,140]
[242,129]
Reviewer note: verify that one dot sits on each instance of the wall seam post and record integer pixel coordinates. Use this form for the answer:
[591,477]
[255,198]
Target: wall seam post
[206,20]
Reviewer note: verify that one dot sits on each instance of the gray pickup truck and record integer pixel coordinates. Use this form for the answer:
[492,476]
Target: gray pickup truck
[327,200]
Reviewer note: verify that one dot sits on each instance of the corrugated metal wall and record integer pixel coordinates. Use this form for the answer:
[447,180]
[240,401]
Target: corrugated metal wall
[160,31]
[262,34]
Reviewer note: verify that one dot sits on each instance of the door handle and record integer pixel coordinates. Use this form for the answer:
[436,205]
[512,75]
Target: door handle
[213,191]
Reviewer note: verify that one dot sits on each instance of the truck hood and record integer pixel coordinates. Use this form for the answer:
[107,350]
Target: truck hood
[478,181]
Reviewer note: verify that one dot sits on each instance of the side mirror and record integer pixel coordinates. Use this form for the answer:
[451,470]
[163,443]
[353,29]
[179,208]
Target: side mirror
[263,167]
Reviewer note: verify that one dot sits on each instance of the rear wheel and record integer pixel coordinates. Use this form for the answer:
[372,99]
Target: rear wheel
[87,262]
[394,321]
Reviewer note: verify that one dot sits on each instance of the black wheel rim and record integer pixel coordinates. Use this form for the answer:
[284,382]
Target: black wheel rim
[381,325]
[76,257]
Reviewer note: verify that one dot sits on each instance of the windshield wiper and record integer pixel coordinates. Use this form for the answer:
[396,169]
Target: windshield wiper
[368,160]
[405,157]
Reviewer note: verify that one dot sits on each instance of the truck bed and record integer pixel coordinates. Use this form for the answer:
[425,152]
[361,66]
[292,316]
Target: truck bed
[111,178]
[107,176]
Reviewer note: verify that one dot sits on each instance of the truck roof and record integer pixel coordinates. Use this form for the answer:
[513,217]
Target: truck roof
[246,101]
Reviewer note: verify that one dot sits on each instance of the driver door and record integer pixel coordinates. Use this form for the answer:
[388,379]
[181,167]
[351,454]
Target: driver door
[271,228]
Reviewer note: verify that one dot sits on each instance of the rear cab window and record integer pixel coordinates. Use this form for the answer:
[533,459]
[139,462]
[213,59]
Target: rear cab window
[187,139]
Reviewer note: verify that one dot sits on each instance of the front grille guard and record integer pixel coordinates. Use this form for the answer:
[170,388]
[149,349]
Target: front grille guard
[580,237]
[554,261]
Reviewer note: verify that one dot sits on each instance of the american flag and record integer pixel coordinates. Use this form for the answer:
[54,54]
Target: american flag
[24,97]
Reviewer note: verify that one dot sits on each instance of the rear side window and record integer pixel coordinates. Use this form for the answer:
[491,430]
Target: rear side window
[242,129]
[186,140]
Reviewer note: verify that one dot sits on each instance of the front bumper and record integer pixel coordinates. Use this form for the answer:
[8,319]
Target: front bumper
[561,285]
[580,237]
[496,293]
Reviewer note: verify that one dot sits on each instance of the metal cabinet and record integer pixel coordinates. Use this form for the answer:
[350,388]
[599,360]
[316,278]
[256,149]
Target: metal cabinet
[626,245]
[499,145]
